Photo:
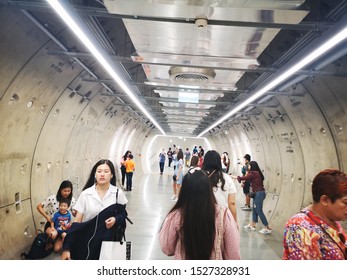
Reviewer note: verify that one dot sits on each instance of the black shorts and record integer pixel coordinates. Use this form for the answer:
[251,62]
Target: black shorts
[246,187]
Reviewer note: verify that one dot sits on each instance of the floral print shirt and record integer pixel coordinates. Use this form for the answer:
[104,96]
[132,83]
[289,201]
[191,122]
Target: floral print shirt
[308,237]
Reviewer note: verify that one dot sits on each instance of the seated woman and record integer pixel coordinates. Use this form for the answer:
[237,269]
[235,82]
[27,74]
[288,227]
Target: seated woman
[50,206]
[197,228]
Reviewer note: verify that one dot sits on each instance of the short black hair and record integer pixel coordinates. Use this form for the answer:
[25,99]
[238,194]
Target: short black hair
[248,157]
[65,200]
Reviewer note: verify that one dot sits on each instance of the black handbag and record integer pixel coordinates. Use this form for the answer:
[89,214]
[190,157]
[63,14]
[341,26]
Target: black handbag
[174,177]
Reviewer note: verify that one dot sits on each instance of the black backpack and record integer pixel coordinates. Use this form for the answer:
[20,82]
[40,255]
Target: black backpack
[41,247]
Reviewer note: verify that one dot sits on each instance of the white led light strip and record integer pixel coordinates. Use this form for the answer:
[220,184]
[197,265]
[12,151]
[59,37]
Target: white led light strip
[336,39]
[67,16]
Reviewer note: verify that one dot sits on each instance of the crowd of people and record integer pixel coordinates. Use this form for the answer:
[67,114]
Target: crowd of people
[203,223]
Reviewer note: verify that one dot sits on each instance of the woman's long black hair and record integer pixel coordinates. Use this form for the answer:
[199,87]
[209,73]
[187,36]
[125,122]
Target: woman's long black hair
[197,205]
[213,166]
[64,185]
[255,167]
[91,180]
[126,154]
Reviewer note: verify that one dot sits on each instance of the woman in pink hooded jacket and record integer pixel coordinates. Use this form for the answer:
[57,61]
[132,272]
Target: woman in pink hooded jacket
[197,228]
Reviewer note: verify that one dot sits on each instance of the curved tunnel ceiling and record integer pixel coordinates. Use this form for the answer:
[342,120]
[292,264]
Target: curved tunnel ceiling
[61,111]
[189,64]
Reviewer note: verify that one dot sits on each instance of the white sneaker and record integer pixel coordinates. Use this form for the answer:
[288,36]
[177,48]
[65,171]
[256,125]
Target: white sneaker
[173,197]
[246,208]
[265,231]
[249,227]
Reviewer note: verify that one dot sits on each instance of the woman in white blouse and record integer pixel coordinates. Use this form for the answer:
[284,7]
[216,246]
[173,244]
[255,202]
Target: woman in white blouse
[99,193]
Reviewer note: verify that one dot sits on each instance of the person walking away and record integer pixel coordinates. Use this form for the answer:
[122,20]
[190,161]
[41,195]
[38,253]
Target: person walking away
[222,185]
[178,175]
[201,150]
[122,166]
[130,168]
[174,155]
[162,157]
[256,178]
[169,156]
[194,161]
[315,233]
[187,155]
[197,228]
[201,159]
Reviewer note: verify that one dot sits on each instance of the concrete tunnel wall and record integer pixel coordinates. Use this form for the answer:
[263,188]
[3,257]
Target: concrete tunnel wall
[50,131]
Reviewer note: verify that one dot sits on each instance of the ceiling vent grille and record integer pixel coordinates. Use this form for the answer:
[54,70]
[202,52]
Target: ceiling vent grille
[191,76]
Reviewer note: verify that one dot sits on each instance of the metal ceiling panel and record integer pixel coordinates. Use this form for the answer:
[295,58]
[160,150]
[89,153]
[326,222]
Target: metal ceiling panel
[237,10]
[204,55]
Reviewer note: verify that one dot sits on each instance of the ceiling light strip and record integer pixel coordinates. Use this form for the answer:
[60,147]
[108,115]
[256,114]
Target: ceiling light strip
[66,12]
[332,42]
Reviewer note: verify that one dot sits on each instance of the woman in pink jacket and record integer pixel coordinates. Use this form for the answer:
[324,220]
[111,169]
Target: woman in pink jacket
[197,228]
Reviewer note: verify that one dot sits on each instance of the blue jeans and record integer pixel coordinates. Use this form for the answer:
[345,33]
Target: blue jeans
[129,180]
[161,166]
[258,208]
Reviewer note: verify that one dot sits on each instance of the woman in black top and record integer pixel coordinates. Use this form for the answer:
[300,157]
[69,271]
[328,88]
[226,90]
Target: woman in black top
[122,165]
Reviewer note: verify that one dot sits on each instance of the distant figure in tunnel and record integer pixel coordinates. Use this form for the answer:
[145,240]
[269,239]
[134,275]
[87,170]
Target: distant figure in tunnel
[197,228]
[201,151]
[315,233]
[200,159]
[194,161]
[256,177]
[50,206]
[187,156]
[169,156]
[225,162]
[100,209]
[129,172]
[162,157]
[122,165]
[178,175]
[174,156]
[246,184]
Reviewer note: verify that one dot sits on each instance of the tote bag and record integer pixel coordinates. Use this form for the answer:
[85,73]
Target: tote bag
[115,250]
